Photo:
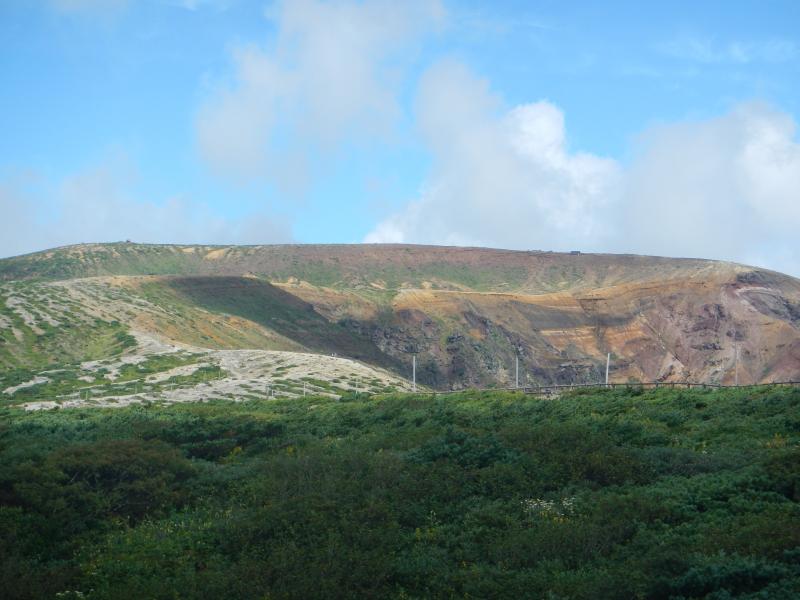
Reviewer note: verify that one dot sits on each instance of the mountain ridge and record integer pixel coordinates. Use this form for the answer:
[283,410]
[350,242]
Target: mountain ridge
[110,258]
[466,312]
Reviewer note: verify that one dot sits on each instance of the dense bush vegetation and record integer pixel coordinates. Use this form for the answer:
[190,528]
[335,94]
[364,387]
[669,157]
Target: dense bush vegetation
[602,494]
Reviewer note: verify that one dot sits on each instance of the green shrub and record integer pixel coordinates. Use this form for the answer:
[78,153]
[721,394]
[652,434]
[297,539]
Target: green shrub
[598,494]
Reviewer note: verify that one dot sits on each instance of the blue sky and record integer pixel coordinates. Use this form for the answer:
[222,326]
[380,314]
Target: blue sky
[664,128]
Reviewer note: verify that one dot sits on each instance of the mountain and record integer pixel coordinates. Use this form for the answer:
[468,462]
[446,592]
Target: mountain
[466,312]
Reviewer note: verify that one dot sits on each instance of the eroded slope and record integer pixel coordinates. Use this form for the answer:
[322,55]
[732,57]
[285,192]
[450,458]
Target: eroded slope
[114,341]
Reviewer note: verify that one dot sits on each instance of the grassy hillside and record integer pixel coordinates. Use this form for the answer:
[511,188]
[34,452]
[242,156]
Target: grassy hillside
[40,328]
[605,494]
[279,311]
[120,340]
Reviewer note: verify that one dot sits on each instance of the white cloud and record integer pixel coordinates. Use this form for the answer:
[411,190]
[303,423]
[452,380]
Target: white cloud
[233,128]
[706,50]
[720,188]
[331,73]
[94,205]
[501,177]
[89,6]
[17,224]
[723,188]
[220,5]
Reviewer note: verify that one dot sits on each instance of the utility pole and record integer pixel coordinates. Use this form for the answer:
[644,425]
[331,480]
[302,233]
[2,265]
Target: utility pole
[608,363]
[516,371]
[413,372]
[736,364]
[304,389]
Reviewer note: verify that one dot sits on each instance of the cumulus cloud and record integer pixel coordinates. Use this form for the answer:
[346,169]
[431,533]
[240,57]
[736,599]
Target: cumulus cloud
[94,205]
[724,188]
[501,177]
[332,72]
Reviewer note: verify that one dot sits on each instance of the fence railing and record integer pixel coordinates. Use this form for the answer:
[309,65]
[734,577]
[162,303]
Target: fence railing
[565,387]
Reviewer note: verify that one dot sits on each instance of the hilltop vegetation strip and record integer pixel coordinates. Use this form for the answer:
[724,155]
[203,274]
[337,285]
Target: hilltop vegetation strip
[601,494]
